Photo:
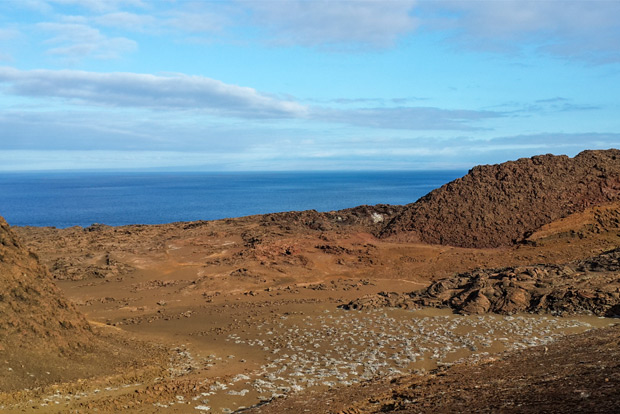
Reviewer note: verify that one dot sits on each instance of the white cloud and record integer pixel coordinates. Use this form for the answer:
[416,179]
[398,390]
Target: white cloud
[99,5]
[572,29]
[41,6]
[294,154]
[196,20]
[31,129]
[29,160]
[334,23]
[126,20]
[180,92]
[581,29]
[410,118]
[553,142]
[200,94]
[6,37]
[75,41]
[9,38]
[8,34]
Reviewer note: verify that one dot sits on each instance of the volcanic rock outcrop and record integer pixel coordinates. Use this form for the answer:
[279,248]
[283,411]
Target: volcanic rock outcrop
[589,286]
[360,218]
[33,312]
[498,205]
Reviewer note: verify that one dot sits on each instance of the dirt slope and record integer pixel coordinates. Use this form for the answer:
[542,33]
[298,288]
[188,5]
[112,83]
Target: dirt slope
[42,335]
[45,340]
[497,205]
[32,308]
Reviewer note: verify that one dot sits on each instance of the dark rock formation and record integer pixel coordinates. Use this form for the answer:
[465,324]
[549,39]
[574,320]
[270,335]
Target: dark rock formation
[497,205]
[589,286]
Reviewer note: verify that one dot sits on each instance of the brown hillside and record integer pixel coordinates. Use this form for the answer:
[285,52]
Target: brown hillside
[33,312]
[45,340]
[497,205]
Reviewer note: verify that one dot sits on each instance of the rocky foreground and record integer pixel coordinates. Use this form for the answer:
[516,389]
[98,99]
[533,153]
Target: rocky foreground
[590,286]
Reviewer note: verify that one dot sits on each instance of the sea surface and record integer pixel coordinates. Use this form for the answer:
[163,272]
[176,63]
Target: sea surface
[83,198]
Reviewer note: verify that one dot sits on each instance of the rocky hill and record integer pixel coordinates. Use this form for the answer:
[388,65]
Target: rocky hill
[498,205]
[33,312]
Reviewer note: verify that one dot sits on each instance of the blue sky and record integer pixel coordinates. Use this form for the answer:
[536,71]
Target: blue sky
[304,84]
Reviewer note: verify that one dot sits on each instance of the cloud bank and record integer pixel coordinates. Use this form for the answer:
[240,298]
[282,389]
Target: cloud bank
[583,30]
[570,29]
[285,155]
[179,92]
[200,94]
[338,24]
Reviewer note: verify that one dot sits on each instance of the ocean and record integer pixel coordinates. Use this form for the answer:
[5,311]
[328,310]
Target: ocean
[83,198]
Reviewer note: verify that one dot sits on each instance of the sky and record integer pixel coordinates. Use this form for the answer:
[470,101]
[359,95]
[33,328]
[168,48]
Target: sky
[304,84]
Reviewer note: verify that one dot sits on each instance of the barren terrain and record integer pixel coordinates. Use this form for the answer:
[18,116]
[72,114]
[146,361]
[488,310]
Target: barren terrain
[251,312]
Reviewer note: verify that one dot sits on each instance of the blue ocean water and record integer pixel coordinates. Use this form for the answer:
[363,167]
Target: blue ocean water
[83,198]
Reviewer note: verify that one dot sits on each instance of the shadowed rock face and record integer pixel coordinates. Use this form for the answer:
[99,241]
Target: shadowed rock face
[497,205]
[33,312]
